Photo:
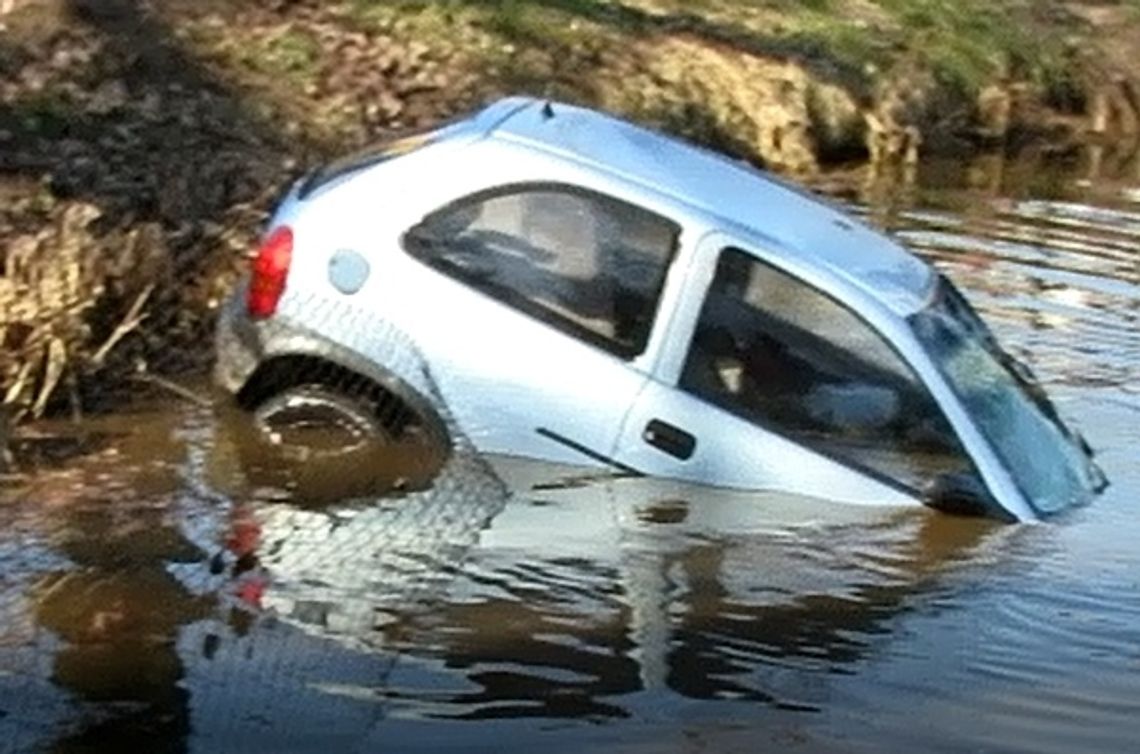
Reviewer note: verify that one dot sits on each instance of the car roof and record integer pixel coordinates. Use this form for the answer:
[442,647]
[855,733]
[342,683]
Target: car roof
[730,191]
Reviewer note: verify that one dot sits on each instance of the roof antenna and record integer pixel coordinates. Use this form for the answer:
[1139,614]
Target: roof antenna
[547,110]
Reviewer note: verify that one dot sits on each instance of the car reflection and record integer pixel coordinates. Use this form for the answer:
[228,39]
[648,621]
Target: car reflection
[189,605]
[559,600]
[331,551]
[698,610]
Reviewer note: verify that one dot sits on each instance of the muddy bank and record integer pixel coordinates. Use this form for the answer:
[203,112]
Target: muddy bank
[135,171]
[141,142]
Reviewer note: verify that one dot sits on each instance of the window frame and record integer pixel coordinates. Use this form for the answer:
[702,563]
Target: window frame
[725,244]
[528,307]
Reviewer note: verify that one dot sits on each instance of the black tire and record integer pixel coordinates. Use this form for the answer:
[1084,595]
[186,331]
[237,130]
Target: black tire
[314,445]
[316,422]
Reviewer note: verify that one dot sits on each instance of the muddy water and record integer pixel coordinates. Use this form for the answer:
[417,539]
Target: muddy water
[156,596]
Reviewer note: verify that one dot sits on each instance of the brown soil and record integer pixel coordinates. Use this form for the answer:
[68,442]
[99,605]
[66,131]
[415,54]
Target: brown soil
[135,173]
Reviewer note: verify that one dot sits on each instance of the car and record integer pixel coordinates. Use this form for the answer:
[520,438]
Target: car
[543,280]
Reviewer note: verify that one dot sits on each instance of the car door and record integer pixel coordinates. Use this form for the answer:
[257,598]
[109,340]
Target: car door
[550,292]
[775,383]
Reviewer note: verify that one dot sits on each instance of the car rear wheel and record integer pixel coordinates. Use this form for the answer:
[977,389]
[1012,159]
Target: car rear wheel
[315,445]
[316,422]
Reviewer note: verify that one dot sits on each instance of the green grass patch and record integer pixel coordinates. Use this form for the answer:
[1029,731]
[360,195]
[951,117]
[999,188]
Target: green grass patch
[523,45]
[291,53]
[286,53]
[968,43]
[541,24]
[528,44]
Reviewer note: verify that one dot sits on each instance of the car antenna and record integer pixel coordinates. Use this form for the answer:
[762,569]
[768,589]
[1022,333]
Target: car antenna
[547,110]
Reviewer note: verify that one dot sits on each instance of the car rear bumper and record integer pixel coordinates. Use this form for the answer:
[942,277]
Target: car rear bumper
[238,344]
[371,349]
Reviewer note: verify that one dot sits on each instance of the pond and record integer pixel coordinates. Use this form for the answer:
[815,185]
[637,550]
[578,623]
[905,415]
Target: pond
[155,595]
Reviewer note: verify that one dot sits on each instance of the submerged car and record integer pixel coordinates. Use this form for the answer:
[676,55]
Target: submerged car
[582,290]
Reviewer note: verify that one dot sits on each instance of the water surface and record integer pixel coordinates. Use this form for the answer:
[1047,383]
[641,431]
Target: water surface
[153,596]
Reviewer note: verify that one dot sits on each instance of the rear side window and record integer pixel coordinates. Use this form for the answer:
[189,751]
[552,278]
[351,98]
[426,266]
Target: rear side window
[588,264]
[774,350]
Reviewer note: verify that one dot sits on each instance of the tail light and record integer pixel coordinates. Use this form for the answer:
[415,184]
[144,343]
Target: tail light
[268,273]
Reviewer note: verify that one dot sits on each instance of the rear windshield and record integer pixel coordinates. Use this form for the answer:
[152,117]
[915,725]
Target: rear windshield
[374,154]
[342,166]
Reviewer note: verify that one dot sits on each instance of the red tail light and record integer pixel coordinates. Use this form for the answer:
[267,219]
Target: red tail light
[267,276]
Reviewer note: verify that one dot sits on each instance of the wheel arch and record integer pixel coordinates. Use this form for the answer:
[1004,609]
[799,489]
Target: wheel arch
[397,403]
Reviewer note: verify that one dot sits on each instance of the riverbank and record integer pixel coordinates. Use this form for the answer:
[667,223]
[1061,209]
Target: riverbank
[141,142]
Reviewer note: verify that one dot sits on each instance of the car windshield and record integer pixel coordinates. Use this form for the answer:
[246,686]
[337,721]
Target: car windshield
[1052,466]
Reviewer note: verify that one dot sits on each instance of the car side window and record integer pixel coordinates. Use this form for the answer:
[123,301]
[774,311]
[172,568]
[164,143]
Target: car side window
[774,350]
[589,264]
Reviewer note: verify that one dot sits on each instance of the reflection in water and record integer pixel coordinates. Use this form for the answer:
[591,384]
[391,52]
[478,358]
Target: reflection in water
[175,610]
[157,594]
[691,608]
[113,607]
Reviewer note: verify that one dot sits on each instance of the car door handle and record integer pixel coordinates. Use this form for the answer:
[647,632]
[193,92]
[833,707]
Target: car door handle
[669,439]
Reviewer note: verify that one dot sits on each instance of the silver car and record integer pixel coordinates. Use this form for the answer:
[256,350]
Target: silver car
[551,282]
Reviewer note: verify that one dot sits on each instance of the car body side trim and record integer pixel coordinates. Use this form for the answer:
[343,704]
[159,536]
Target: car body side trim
[601,458]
